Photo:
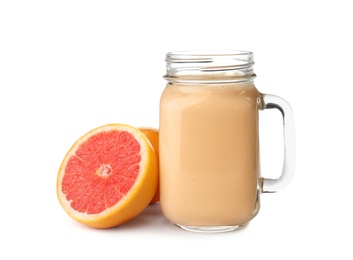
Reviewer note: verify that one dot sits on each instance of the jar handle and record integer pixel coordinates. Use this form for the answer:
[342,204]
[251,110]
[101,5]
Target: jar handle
[274,185]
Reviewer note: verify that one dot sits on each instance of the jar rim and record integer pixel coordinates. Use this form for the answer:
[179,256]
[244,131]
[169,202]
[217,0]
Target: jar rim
[209,56]
[209,66]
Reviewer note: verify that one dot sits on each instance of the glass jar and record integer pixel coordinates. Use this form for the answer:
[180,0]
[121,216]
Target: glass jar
[209,141]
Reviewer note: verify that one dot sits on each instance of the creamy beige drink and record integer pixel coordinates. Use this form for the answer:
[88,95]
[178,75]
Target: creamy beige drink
[209,153]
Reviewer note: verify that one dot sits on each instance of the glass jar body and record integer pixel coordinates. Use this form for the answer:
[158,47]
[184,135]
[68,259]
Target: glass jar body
[209,154]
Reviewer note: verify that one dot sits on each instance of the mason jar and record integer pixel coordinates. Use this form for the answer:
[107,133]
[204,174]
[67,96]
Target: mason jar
[209,141]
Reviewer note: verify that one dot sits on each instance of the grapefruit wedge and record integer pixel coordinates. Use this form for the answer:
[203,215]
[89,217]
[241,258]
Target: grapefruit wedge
[152,135]
[108,176]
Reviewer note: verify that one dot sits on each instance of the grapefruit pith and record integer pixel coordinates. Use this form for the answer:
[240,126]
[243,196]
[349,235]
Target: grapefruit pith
[108,176]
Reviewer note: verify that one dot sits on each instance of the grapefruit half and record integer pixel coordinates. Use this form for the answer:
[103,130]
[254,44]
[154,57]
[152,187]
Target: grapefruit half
[108,176]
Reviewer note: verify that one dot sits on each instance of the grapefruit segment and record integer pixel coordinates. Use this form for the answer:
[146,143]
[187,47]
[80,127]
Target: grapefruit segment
[108,176]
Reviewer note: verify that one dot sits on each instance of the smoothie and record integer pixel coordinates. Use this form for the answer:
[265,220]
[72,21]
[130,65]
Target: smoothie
[209,152]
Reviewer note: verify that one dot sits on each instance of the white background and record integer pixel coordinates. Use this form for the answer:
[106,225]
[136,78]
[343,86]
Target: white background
[69,66]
